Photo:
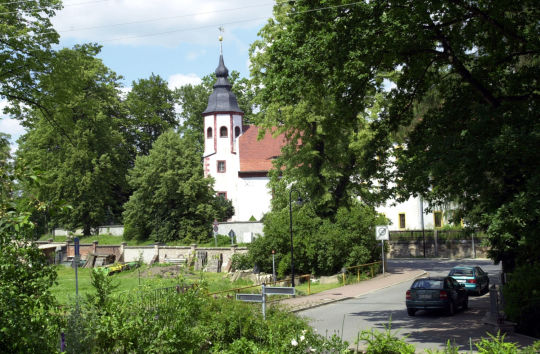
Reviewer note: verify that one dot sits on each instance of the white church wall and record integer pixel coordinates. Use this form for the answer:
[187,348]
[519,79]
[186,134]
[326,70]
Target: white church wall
[412,211]
[254,198]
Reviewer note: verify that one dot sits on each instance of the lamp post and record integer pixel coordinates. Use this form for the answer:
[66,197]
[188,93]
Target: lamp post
[291,231]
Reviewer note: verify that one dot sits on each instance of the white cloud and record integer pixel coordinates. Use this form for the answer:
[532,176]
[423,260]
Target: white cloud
[179,80]
[158,22]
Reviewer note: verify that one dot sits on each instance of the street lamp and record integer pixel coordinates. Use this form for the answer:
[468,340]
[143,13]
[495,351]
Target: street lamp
[291,231]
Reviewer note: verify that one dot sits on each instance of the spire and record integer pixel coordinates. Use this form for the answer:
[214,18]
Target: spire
[222,99]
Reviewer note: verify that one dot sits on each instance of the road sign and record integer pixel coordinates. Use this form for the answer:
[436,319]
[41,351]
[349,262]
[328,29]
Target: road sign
[216,225]
[381,232]
[279,290]
[250,297]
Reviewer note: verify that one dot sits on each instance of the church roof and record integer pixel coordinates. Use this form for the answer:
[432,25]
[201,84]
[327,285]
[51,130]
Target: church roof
[257,155]
[222,99]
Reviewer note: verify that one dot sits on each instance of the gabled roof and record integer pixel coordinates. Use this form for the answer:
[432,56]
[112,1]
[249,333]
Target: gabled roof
[257,155]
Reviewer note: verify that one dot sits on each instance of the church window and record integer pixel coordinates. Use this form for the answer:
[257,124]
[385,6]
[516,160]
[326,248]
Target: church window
[236,132]
[209,132]
[222,194]
[401,220]
[221,166]
[223,132]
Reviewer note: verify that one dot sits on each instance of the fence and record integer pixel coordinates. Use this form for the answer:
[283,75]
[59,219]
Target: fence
[360,272]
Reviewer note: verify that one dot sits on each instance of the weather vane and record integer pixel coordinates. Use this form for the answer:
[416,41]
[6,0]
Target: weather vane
[221,30]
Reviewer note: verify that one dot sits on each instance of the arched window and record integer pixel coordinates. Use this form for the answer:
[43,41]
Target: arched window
[223,132]
[236,132]
[209,132]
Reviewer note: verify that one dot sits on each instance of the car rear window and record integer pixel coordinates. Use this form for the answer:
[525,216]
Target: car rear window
[467,272]
[427,284]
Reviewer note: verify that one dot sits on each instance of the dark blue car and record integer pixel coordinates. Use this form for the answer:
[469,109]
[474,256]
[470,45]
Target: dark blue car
[436,293]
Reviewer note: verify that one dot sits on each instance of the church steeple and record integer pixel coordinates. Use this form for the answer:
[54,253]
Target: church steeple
[222,99]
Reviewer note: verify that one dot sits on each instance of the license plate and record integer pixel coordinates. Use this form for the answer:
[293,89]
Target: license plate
[424,297]
[461,281]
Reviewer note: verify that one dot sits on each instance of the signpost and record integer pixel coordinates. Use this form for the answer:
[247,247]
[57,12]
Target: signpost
[216,228]
[231,235]
[382,233]
[266,290]
[76,262]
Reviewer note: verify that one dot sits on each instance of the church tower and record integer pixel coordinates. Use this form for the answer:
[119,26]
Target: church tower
[222,130]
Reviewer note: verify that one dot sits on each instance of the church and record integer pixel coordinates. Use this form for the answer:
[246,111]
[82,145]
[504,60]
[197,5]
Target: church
[239,163]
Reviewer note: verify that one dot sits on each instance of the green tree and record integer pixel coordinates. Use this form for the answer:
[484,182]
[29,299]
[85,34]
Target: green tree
[468,69]
[78,143]
[27,35]
[150,104]
[28,323]
[171,200]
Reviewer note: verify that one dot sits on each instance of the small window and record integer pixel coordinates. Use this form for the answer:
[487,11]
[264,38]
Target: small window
[401,220]
[222,194]
[437,218]
[209,133]
[221,166]
[236,132]
[223,132]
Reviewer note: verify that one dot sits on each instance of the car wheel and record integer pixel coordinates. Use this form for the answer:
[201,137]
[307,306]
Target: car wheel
[451,309]
[411,312]
[466,303]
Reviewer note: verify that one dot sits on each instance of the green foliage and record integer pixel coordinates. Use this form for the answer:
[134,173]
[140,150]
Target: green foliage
[77,141]
[522,298]
[27,36]
[496,344]
[171,200]
[150,104]
[241,261]
[28,323]
[385,342]
[321,246]
[191,321]
[103,286]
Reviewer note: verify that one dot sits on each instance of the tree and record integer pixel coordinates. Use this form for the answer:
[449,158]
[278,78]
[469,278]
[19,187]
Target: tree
[150,104]
[27,324]
[25,47]
[469,68]
[194,99]
[172,200]
[77,142]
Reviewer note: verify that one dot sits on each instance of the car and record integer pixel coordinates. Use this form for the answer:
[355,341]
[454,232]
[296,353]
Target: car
[474,279]
[436,293]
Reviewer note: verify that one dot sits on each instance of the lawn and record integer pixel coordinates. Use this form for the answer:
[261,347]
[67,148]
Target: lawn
[158,276]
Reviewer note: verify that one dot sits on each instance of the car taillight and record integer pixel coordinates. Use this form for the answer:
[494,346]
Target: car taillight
[443,295]
[408,295]
[471,281]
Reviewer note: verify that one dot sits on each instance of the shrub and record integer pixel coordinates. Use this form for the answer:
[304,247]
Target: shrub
[240,261]
[385,342]
[522,299]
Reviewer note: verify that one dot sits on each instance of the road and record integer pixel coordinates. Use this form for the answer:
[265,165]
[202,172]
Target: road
[425,330]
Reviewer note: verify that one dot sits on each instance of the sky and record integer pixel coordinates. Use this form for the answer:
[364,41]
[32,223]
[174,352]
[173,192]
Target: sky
[176,39]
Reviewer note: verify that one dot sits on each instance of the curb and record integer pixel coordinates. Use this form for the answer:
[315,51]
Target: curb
[308,306]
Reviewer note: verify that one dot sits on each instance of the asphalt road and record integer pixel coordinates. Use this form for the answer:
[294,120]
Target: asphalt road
[386,307]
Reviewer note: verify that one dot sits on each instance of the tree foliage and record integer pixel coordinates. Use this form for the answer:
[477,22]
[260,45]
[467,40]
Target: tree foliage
[151,108]
[463,109]
[171,200]
[77,141]
[26,36]
[27,324]
[322,246]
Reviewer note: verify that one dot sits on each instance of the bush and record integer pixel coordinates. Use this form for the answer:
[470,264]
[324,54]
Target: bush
[241,261]
[522,299]
[321,246]
[385,342]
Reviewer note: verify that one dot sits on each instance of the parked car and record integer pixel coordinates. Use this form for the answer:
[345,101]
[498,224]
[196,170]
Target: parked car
[436,293]
[474,278]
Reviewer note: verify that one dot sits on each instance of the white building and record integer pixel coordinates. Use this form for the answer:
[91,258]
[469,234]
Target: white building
[239,163]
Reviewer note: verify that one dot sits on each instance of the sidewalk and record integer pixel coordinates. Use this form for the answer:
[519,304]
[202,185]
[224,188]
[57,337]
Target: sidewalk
[391,277]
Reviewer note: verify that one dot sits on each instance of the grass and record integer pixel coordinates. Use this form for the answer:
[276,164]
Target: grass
[129,280]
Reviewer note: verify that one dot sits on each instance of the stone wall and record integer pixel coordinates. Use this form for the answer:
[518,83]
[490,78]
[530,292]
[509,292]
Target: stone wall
[445,249]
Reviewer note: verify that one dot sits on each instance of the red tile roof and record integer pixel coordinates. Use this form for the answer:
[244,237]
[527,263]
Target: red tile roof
[257,155]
